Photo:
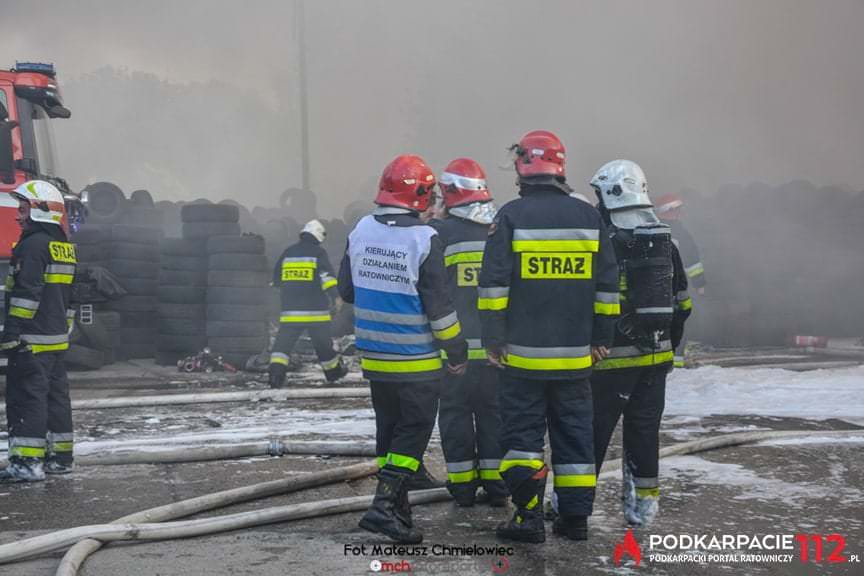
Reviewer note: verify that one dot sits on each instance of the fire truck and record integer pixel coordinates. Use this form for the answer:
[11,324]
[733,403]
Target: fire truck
[29,102]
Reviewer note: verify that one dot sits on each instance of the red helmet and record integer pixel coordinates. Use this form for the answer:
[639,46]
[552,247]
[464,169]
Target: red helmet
[668,206]
[463,182]
[407,182]
[540,153]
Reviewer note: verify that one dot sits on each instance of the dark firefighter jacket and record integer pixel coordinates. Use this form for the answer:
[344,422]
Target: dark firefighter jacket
[393,272]
[39,290]
[464,242]
[304,277]
[624,352]
[549,284]
[689,253]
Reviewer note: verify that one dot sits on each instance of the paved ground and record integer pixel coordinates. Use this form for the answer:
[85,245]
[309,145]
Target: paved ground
[814,487]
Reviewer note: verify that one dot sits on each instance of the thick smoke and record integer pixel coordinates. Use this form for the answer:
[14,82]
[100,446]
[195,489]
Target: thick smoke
[200,98]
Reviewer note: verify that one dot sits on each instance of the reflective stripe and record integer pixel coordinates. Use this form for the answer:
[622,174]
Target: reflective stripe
[462,477]
[60,436]
[402,461]
[575,481]
[522,455]
[445,322]
[331,364]
[488,464]
[508,463]
[493,303]
[556,240]
[629,351]
[473,354]
[62,447]
[607,297]
[25,452]
[310,261]
[459,247]
[24,303]
[391,317]
[682,295]
[607,309]
[45,338]
[645,482]
[471,257]
[381,461]
[694,270]
[685,304]
[385,356]
[638,361]
[60,269]
[490,474]
[59,274]
[70,313]
[24,447]
[393,337]
[21,312]
[492,292]
[532,503]
[655,310]
[448,333]
[648,492]
[328,282]
[464,182]
[279,358]
[38,348]
[288,316]
[25,441]
[549,352]
[462,466]
[401,367]
[526,363]
[58,278]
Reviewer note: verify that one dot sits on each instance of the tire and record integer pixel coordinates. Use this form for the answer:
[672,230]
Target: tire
[84,358]
[139,286]
[137,252]
[182,278]
[184,263]
[221,329]
[252,344]
[141,198]
[237,313]
[181,311]
[244,296]
[246,244]
[182,247]
[203,230]
[181,327]
[239,262]
[110,320]
[95,335]
[180,294]
[141,322]
[135,234]
[168,357]
[218,278]
[91,234]
[144,217]
[105,201]
[133,304]
[209,213]
[132,269]
[183,343]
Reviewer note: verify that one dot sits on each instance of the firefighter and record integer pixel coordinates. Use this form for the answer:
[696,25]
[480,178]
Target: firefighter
[36,335]
[548,299]
[669,208]
[393,272]
[305,279]
[468,420]
[631,380]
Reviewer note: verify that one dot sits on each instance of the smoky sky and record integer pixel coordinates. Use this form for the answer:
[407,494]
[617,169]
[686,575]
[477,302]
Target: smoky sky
[192,98]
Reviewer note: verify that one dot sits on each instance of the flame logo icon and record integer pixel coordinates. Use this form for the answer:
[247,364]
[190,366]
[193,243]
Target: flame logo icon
[628,546]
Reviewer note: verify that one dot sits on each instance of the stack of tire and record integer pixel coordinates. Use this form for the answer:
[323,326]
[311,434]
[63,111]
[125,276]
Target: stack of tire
[134,261]
[180,300]
[92,246]
[238,297]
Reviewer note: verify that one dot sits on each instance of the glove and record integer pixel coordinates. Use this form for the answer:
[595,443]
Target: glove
[10,344]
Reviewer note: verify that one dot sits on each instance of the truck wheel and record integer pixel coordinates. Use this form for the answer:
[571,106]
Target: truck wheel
[209,213]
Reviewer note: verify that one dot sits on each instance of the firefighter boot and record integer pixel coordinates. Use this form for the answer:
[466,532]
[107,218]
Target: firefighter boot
[572,527]
[464,493]
[277,375]
[403,509]
[422,479]
[527,522]
[337,372]
[23,470]
[382,517]
[494,493]
[53,466]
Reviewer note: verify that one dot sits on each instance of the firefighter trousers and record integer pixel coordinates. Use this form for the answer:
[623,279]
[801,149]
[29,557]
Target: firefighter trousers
[640,395]
[38,409]
[404,418]
[287,338]
[470,427]
[528,406]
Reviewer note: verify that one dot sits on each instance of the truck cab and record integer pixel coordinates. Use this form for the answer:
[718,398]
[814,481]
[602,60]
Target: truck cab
[29,102]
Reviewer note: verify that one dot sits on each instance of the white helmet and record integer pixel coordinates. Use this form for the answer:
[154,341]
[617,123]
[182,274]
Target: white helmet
[46,201]
[316,229]
[623,190]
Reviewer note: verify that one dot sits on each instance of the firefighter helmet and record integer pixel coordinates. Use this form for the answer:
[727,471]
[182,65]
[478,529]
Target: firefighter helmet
[463,182]
[46,201]
[407,182]
[622,190]
[315,229]
[539,153]
[668,206]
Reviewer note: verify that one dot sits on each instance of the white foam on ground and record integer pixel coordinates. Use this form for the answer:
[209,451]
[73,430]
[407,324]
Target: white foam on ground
[817,394]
